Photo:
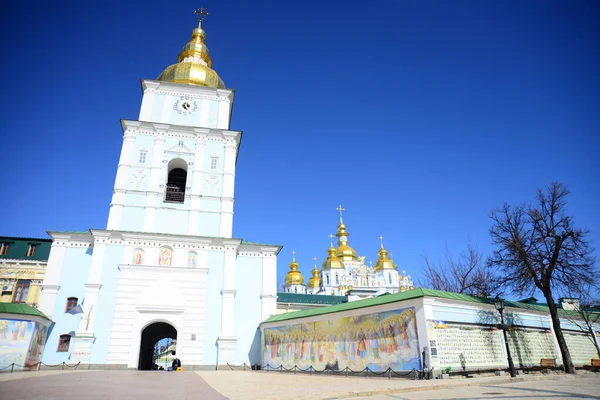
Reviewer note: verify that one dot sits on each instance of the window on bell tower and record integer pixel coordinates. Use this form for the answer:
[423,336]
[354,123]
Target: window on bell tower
[214,162]
[142,157]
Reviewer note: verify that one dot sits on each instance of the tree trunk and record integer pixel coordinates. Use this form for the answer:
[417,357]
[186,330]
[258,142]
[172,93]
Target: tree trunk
[562,344]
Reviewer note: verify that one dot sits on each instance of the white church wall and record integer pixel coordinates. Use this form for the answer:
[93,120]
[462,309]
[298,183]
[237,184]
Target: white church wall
[213,312]
[73,274]
[248,281]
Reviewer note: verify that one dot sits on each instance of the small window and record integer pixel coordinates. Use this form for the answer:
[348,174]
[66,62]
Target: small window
[31,250]
[143,155]
[214,162]
[63,343]
[21,291]
[4,249]
[71,303]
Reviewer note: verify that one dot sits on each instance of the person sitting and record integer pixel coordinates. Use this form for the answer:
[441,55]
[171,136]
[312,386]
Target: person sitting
[176,364]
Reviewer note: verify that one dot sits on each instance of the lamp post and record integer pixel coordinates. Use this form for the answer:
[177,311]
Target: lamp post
[499,304]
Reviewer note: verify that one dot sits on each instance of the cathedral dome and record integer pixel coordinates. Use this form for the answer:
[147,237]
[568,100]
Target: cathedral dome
[383,262]
[332,261]
[344,251]
[193,64]
[294,277]
[315,280]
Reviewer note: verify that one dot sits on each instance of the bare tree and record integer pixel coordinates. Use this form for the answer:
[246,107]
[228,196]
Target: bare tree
[468,273]
[537,246]
[585,313]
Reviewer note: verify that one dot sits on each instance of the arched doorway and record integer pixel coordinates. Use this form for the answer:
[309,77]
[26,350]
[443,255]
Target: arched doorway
[150,336]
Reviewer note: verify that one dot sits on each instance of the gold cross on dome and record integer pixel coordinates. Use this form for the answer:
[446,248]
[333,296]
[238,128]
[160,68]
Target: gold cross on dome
[315,260]
[341,210]
[293,255]
[331,239]
[381,240]
[201,13]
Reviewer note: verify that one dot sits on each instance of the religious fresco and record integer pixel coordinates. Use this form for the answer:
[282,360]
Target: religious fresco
[379,341]
[16,342]
[164,257]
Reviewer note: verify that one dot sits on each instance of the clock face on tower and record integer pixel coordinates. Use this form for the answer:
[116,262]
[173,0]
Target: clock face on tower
[185,106]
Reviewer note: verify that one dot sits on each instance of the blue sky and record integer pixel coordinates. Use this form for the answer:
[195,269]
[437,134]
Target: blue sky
[419,117]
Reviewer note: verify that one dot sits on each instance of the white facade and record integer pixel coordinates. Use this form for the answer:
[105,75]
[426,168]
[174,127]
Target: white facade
[167,256]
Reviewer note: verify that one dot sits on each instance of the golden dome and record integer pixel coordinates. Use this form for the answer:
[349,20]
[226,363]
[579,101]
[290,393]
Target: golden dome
[294,277]
[384,262]
[331,262]
[344,252]
[315,280]
[193,64]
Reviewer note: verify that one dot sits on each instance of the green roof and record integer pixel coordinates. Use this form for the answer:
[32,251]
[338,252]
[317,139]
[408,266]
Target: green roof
[18,248]
[22,309]
[392,298]
[300,298]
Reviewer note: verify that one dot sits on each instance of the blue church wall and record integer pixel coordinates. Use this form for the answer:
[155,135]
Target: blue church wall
[171,221]
[213,307]
[209,224]
[248,312]
[132,219]
[105,304]
[73,275]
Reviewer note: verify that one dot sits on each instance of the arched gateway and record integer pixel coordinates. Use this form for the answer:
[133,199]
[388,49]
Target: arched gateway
[150,336]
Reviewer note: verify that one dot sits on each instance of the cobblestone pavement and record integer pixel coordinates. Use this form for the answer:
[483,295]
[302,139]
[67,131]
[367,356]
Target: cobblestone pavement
[105,385]
[238,385]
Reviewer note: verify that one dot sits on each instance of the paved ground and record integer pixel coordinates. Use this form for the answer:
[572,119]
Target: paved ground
[239,385]
[105,385]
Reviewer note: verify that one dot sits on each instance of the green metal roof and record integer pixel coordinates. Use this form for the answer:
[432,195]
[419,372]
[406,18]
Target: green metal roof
[18,247]
[392,298]
[22,309]
[300,298]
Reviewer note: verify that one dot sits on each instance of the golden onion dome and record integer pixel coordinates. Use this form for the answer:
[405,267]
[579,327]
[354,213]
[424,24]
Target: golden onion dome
[332,261]
[384,262]
[315,280]
[344,252]
[193,64]
[294,277]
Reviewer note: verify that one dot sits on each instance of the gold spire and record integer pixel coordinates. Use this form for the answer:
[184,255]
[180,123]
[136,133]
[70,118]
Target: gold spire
[332,261]
[315,280]
[294,277]
[383,262]
[194,64]
[344,252]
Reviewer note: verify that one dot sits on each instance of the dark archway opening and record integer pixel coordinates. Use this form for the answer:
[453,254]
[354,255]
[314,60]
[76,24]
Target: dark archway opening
[150,336]
[176,185]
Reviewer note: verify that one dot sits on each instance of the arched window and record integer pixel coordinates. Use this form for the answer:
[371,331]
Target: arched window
[21,290]
[164,256]
[176,179]
[295,290]
[390,277]
[63,343]
[71,303]
[138,256]
[337,279]
[327,278]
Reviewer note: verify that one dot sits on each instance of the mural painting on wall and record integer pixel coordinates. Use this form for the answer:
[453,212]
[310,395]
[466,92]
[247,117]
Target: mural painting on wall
[165,256]
[15,341]
[379,341]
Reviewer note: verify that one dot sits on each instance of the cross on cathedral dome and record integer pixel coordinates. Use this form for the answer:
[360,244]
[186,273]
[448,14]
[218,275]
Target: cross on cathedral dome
[194,65]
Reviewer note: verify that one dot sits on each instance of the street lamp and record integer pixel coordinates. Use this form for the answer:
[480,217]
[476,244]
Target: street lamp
[499,304]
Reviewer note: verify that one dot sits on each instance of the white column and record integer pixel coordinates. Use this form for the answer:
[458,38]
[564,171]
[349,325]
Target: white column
[155,192]
[117,203]
[196,192]
[227,195]
[50,286]
[226,341]
[268,296]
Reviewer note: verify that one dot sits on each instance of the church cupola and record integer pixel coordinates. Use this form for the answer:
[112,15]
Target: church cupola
[314,283]
[344,252]
[332,261]
[194,65]
[384,262]
[294,281]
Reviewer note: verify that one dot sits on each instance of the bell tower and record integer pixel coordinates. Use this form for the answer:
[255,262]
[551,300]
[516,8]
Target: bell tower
[176,171]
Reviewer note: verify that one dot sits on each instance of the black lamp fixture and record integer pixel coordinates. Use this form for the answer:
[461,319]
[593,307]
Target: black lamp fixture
[499,304]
